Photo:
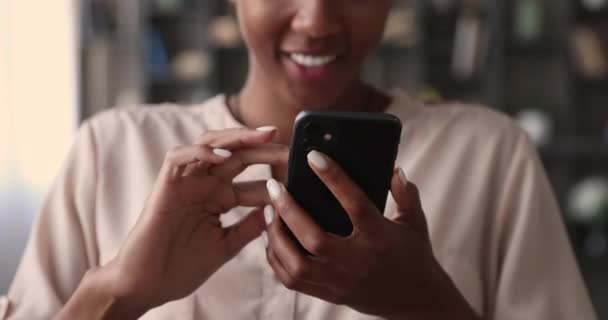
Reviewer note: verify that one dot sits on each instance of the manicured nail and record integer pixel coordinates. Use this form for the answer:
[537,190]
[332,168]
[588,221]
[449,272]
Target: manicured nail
[268,214]
[222,152]
[317,159]
[402,177]
[274,189]
[267,129]
[265,238]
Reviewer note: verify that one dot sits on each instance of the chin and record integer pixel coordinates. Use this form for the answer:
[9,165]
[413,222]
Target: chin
[311,101]
[317,98]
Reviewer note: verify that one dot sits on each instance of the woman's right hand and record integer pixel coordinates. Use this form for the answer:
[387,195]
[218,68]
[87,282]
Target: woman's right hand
[179,241]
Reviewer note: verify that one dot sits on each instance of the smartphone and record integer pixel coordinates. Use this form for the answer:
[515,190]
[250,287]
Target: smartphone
[364,144]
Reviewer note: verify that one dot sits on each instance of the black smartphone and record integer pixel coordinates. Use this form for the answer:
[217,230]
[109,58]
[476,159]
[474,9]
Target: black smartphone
[364,144]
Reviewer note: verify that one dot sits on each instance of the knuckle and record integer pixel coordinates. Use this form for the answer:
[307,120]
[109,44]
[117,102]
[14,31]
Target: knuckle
[243,130]
[270,257]
[207,136]
[300,271]
[333,173]
[358,206]
[242,134]
[290,283]
[317,245]
[202,137]
[172,155]
[282,205]
[201,144]
[202,150]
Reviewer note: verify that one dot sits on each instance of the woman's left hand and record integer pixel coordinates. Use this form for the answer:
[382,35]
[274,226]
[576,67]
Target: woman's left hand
[386,267]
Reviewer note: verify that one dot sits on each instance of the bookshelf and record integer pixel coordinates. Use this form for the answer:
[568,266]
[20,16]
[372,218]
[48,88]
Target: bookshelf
[544,62]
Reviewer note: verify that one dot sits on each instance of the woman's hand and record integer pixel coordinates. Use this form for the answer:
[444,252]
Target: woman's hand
[179,241]
[385,267]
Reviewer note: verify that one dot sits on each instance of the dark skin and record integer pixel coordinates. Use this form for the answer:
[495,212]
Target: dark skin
[386,267]
[272,29]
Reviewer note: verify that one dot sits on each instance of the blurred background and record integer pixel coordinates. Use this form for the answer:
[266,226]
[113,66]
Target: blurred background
[544,62]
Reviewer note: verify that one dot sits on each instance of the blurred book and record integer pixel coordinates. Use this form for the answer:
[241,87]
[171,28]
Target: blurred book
[528,21]
[587,51]
[470,43]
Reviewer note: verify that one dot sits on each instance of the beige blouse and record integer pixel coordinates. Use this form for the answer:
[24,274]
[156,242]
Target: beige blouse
[494,223]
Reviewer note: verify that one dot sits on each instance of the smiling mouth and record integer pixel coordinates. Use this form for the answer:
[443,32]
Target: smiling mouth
[311,60]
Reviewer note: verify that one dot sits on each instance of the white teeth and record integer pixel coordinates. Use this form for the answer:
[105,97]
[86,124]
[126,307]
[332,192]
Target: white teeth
[312,61]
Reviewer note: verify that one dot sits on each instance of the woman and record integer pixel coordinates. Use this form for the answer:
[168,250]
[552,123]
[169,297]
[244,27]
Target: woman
[150,216]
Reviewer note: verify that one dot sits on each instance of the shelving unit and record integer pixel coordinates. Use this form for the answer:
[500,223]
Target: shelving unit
[527,57]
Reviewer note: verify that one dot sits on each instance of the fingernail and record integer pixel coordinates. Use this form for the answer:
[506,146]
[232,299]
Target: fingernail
[267,128]
[274,189]
[268,214]
[222,152]
[265,238]
[402,177]
[317,159]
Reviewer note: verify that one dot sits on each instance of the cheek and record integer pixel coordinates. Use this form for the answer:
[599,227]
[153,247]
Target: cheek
[260,24]
[363,40]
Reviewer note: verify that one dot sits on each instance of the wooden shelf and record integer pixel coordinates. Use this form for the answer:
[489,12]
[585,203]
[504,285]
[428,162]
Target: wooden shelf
[182,16]
[509,76]
[542,47]
[172,81]
[592,83]
[575,149]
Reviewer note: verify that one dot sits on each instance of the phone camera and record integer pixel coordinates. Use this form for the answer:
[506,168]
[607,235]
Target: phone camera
[319,133]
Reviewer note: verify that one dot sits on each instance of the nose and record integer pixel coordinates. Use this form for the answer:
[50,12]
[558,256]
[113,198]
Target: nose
[317,18]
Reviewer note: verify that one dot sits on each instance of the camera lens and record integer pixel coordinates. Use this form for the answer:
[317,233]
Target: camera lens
[321,133]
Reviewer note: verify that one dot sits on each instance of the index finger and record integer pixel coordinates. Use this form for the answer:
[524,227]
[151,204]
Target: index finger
[235,138]
[270,154]
[312,237]
[355,202]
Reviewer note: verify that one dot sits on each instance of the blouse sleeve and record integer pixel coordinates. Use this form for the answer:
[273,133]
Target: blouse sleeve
[535,272]
[61,247]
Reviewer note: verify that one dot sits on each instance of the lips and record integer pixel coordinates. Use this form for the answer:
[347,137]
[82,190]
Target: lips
[314,64]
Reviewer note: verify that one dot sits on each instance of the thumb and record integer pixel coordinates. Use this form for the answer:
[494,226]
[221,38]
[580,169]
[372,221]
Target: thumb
[240,234]
[407,197]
